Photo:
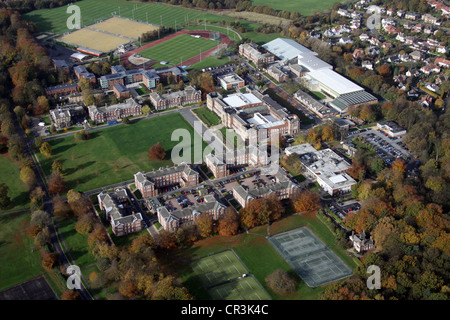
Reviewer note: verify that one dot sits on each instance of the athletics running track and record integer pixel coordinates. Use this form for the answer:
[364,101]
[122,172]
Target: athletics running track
[225,41]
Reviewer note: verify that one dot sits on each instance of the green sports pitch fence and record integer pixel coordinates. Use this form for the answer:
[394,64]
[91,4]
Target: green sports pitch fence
[225,277]
[313,261]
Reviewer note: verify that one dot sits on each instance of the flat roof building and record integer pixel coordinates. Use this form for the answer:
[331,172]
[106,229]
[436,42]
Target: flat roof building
[326,166]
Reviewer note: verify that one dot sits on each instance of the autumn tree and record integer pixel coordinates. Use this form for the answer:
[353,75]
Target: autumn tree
[28,177]
[85,224]
[205,223]
[305,200]
[70,295]
[57,167]
[40,218]
[170,289]
[56,184]
[60,207]
[49,260]
[228,223]
[46,149]
[281,282]
[156,152]
[127,288]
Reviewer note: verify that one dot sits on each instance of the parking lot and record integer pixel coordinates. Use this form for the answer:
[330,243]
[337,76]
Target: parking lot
[386,147]
[186,198]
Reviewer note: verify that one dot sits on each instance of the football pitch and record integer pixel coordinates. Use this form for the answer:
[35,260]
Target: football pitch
[54,20]
[223,276]
[305,7]
[178,49]
[313,261]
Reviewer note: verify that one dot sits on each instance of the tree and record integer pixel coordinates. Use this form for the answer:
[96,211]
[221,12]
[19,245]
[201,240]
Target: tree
[78,202]
[127,288]
[57,167]
[160,89]
[228,223]
[5,200]
[40,218]
[85,224]
[46,149]
[28,177]
[70,295]
[146,109]
[156,152]
[281,282]
[384,71]
[327,133]
[49,260]
[42,238]
[60,207]
[169,289]
[205,222]
[56,184]
[305,201]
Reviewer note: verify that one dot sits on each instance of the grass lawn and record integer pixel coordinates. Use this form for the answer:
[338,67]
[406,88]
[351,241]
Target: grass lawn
[18,191]
[208,117]
[116,153]
[209,62]
[305,7]
[142,90]
[54,20]
[178,49]
[18,261]
[76,243]
[259,256]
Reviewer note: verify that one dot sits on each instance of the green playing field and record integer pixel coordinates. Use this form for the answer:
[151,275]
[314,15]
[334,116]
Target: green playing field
[54,20]
[178,49]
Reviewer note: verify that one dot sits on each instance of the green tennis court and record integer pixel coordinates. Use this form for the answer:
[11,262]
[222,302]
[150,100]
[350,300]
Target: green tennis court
[226,277]
[218,268]
[246,288]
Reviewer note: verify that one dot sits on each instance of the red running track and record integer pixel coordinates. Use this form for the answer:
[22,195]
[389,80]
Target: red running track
[225,40]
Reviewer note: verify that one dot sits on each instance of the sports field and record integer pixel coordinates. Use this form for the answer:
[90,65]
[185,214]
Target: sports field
[116,153]
[94,40]
[314,262]
[305,7]
[242,289]
[222,275]
[54,20]
[124,27]
[178,49]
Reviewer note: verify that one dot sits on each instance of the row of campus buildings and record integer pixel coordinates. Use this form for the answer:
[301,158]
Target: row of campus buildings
[152,185]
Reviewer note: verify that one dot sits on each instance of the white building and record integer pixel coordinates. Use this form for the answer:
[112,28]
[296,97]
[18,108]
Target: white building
[327,167]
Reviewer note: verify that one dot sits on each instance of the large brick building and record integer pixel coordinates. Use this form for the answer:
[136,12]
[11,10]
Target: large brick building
[62,90]
[172,220]
[115,112]
[119,212]
[174,99]
[250,156]
[283,188]
[251,52]
[253,116]
[150,183]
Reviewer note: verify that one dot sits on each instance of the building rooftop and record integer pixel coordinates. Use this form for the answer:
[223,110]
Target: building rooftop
[286,49]
[241,99]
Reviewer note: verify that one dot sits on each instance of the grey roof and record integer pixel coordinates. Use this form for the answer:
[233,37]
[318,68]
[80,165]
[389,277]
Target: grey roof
[114,208]
[146,178]
[286,49]
[120,88]
[354,98]
[210,203]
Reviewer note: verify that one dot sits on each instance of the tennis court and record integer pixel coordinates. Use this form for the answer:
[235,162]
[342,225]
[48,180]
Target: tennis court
[218,268]
[225,277]
[313,261]
[246,288]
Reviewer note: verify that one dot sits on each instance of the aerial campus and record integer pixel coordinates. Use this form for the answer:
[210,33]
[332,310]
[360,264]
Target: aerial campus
[224,150]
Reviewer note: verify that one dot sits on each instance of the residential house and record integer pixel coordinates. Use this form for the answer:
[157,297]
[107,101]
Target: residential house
[430,68]
[361,243]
